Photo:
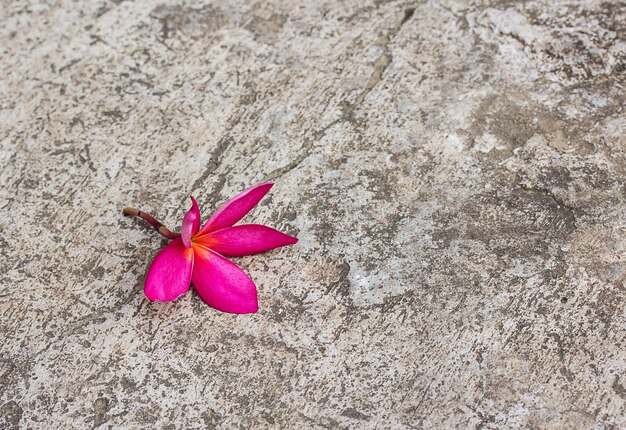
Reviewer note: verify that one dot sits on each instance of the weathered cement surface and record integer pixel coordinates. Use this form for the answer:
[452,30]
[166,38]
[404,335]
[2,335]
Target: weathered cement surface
[454,171]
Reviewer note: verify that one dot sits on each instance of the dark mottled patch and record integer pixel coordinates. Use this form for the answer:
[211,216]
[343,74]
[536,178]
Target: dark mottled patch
[510,221]
[342,285]
[382,183]
[282,216]
[192,22]
[514,124]
[610,304]
[114,115]
[264,26]
[10,415]
[619,388]
[353,413]
[100,408]
[127,383]
[249,93]
[569,51]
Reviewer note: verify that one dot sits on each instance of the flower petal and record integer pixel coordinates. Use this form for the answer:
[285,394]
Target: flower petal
[170,273]
[245,239]
[191,223]
[236,208]
[222,284]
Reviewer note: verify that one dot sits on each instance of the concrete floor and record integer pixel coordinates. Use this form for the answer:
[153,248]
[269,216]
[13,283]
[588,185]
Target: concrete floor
[455,172]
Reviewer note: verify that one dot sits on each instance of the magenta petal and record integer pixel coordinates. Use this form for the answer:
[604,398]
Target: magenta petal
[246,239]
[191,223]
[221,284]
[170,273]
[236,208]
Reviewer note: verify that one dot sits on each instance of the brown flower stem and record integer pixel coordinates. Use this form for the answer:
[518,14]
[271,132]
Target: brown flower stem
[160,228]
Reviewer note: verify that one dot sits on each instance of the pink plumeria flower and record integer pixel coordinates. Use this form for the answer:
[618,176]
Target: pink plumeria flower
[197,255]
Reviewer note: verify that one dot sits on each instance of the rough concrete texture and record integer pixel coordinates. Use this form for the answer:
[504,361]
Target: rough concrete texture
[454,171]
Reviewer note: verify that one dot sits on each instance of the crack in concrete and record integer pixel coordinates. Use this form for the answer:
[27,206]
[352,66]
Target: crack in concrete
[214,161]
[380,65]
[559,202]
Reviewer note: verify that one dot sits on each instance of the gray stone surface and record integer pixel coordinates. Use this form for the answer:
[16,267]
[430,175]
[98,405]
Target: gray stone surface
[454,171]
